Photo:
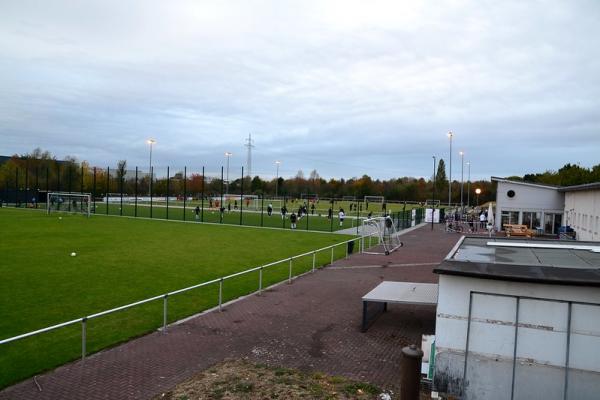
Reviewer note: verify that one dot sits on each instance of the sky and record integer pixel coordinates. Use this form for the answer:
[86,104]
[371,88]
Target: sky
[344,87]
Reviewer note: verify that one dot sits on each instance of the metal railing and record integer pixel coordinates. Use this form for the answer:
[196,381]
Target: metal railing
[220,281]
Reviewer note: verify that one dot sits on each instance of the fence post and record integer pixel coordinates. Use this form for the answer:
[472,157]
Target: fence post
[107,187]
[165,313]
[347,243]
[331,255]
[16,187]
[93,192]
[262,208]
[314,261]
[121,182]
[83,337]
[221,203]
[242,197]
[260,281]
[202,201]
[168,191]
[151,180]
[307,214]
[290,273]
[136,192]
[220,294]
[184,190]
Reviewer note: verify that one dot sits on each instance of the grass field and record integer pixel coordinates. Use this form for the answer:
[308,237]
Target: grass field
[252,216]
[119,261]
[249,217]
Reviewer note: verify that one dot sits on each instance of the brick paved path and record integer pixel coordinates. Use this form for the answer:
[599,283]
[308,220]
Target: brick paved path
[313,324]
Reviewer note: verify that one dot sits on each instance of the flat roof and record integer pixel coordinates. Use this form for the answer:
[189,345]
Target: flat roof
[542,185]
[529,260]
[577,188]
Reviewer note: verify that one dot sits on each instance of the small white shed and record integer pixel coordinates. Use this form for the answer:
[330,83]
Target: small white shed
[519,319]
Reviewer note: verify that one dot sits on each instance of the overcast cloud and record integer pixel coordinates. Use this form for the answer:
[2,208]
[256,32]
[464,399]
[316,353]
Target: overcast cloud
[346,87]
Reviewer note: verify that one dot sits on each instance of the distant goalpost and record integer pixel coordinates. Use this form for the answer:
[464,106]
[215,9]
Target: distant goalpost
[309,196]
[430,202]
[374,199]
[77,203]
[385,230]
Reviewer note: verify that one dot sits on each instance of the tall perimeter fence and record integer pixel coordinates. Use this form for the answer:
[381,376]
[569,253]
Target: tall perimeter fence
[188,194]
[27,354]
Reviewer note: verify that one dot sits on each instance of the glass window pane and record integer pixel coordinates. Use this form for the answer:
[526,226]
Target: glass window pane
[557,222]
[527,218]
[537,220]
[514,217]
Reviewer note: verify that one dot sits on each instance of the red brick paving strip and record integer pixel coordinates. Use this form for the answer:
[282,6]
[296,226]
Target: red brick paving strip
[313,324]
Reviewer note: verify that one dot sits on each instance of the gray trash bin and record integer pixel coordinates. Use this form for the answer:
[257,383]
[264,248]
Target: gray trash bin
[350,247]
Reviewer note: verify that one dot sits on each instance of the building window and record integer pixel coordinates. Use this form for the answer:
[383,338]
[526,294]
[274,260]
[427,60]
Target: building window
[552,223]
[532,219]
[509,217]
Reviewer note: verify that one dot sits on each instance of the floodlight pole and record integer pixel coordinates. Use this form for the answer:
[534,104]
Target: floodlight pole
[151,143]
[277,179]
[469,184]
[433,205]
[462,181]
[450,135]
[227,154]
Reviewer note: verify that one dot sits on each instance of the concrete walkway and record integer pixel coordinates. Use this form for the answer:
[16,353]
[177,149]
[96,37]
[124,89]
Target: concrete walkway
[312,324]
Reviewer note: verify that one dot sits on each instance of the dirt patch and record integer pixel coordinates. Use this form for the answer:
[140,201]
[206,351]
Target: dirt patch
[233,380]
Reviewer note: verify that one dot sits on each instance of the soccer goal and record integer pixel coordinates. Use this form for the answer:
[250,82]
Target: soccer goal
[68,202]
[434,203]
[374,199]
[384,229]
[309,196]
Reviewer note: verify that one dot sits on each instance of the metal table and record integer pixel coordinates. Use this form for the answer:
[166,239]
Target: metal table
[398,292]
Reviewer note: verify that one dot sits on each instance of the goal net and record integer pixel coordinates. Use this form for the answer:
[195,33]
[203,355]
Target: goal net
[384,229]
[78,203]
[309,196]
[374,199]
[430,203]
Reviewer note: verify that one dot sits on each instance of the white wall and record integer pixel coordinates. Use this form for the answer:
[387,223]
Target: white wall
[527,198]
[582,210]
[542,334]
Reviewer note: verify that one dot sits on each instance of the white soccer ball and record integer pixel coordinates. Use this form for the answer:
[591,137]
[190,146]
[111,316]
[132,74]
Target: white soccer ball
[73,254]
[59,217]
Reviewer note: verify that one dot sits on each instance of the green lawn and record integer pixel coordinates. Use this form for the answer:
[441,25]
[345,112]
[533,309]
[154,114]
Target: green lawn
[119,261]
[249,217]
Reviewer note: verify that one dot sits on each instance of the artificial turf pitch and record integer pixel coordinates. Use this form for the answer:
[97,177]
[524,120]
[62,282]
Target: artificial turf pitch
[120,261]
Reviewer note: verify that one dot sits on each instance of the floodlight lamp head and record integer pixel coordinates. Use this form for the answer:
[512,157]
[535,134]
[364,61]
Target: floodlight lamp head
[228,154]
[277,162]
[478,191]
[150,141]
[462,153]
[450,134]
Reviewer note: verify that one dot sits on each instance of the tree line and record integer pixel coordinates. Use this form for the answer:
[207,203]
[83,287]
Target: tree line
[568,175]
[40,170]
